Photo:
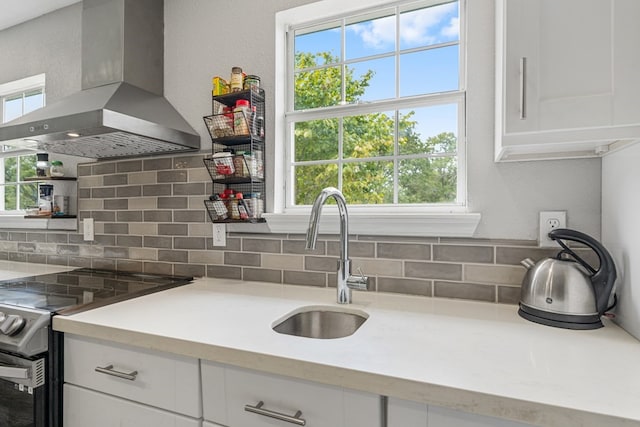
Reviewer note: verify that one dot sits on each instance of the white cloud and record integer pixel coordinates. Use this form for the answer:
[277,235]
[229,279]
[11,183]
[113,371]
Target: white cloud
[419,27]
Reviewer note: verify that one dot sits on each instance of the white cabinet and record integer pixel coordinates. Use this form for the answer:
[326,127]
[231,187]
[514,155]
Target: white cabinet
[404,413]
[233,396]
[129,386]
[84,408]
[566,81]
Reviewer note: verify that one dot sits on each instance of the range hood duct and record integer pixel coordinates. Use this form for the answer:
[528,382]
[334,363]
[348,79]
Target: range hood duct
[120,111]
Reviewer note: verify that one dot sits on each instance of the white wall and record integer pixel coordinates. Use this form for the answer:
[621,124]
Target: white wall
[204,38]
[621,230]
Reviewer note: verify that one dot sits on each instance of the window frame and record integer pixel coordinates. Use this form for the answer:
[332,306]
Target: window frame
[416,220]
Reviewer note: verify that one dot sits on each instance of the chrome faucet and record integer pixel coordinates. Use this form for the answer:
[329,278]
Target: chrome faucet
[345,281]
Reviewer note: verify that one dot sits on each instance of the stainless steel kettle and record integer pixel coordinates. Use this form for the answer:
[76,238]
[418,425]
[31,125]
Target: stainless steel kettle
[566,291]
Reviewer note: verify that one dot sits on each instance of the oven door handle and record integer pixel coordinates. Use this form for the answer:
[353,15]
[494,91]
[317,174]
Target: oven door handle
[15,372]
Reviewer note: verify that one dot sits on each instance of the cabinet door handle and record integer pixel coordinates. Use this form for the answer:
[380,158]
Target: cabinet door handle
[523,88]
[108,370]
[258,409]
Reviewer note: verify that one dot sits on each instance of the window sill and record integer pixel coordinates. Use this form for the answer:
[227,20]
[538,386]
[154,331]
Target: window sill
[18,221]
[461,224]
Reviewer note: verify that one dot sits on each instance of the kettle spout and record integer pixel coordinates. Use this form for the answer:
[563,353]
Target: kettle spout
[528,263]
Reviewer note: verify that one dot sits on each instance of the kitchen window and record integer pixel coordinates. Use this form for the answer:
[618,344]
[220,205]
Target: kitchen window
[16,99]
[373,103]
[376,106]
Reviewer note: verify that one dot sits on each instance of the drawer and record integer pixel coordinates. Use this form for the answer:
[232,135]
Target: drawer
[320,405]
[84,408]
[162,380]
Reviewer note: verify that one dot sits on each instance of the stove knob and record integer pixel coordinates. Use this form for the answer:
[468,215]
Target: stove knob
[12,324]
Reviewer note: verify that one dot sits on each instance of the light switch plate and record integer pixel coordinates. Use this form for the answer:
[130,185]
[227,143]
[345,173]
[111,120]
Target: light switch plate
[550,220]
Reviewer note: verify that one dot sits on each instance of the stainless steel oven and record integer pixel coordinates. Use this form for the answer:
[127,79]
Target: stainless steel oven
[31,354]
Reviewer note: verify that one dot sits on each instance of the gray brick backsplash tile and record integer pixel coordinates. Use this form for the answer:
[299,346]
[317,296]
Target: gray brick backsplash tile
[113,228]
[508,294]
[129,265]
[376,267]
[262,275]
[198,175]
[103,263]
[298,247]
[84,169]
[356,249]
[129,216]
[233,244]
[129,241]
[129,166]
[189,189]
[73,250]
[190,270]
[305,278]
[5,256]
[262,245]
[116,252]
[202,229]
[173,256]
[142,203]
[84,193]
[57,259]
[461,253]
[120,179]
[470,291]
[433,270]
[189,242]
[34,258]
[8,246]
[149,254]
[157,164]
[405,286]
[156,190]
[18,256]
[17,236]
[206,257]
[106,240]
[158,268]
[187,162]
[224,272]
[173,229]
[499,274]
[315,263]
[506,255]
[142,178]
[143,229]
[26,247]
[36,237]
[173,203]
[91,251]
[189,216]
[103,193]
[104,168]
[242,258]
[283,262]
[172,176]
[129,191]
[157,242]
[116,204]
[57,238]
[404,251]
[79,262]
[158,216]
[90,182]
[47,248]
[104,216]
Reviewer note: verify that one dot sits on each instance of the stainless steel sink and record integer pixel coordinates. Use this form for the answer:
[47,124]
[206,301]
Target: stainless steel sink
[321,322]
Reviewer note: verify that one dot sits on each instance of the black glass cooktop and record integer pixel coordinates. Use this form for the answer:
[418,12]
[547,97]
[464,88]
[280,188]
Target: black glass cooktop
[83,288]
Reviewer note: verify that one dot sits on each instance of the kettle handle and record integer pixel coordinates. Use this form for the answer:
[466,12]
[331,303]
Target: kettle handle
[604,278]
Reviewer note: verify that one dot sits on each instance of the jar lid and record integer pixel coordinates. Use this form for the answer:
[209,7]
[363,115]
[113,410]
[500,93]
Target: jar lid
[236,69]
[56,163]
[242,103]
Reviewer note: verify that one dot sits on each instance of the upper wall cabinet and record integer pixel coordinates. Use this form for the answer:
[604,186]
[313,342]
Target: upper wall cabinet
[566,78]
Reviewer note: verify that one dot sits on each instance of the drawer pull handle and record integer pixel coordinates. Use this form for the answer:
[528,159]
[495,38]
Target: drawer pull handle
[523,88]
[110,371]
[258,409]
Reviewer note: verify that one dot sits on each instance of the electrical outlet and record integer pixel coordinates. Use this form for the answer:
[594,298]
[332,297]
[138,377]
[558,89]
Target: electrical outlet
[87,228]
[548,222]
[219,235]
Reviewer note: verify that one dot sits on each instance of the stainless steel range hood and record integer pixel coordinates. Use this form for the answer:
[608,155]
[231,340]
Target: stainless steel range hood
[121,111]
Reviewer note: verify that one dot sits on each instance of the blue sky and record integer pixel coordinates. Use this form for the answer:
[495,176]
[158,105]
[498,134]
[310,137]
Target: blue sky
[421,72]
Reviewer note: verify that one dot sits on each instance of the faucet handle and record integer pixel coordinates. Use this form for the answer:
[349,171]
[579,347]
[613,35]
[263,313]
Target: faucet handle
[359,283]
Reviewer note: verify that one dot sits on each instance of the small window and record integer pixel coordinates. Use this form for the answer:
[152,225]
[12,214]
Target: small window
[17,99]
[376,106]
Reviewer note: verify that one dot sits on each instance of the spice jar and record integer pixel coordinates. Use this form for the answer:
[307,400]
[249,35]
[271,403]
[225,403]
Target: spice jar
[251,82]
[42,165]
[56,168]
[241,114]
[237,78]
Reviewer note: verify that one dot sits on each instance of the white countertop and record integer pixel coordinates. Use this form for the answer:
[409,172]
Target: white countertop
[476,357]
[15,270]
